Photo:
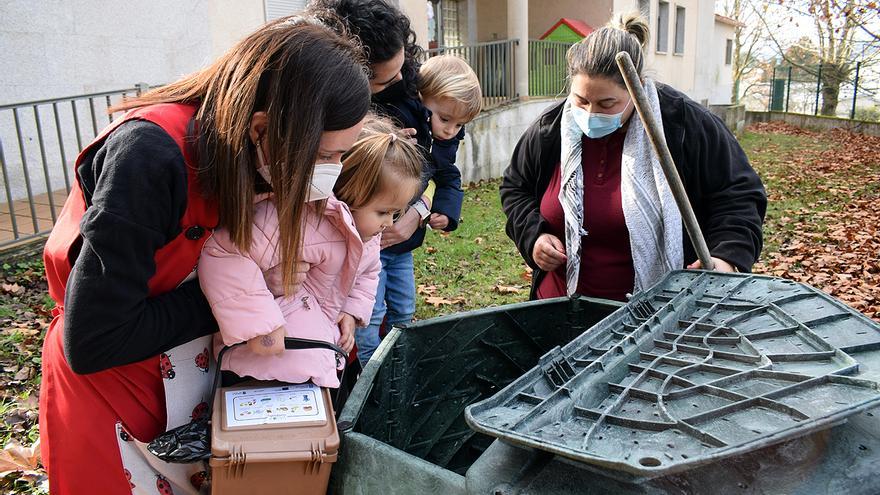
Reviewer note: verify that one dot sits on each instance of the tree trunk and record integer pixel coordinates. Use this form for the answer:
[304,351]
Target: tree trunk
[833,75]
[830,94]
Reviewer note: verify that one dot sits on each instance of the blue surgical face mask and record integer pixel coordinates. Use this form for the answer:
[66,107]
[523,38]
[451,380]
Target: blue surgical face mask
[596,125]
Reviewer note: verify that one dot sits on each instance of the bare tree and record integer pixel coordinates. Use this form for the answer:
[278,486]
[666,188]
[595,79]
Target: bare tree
[748,33]
[842,33]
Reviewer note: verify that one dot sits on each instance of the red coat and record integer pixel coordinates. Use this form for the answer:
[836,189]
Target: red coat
[79,413]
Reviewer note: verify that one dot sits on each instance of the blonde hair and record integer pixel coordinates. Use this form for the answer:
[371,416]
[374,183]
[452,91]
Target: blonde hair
[450,77]
[377,162]
[594,55]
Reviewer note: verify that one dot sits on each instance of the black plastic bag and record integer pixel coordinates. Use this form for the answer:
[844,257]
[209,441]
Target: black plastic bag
[187,443]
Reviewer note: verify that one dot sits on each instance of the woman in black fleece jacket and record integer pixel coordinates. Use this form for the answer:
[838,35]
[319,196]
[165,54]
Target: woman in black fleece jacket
[724,190]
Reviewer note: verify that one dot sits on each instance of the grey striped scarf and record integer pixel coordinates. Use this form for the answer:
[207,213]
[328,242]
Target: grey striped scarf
[650,212]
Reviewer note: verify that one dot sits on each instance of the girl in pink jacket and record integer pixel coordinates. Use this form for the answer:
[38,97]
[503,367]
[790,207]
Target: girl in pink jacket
[379,176]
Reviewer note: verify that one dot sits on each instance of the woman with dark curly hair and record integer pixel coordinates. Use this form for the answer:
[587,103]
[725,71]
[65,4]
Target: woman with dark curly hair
[393,56]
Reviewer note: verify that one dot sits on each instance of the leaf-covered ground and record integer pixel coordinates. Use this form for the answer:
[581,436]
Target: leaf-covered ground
[824,208]
[24,316]
[821,229]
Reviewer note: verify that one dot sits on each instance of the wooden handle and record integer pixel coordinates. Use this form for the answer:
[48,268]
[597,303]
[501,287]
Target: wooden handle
[658,140]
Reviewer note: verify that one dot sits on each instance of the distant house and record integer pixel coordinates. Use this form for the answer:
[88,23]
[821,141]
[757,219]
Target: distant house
[567,30]
[547,65]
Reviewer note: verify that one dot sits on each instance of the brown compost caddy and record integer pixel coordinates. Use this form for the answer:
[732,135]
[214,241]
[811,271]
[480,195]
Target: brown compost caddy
[275,458]
[270,437]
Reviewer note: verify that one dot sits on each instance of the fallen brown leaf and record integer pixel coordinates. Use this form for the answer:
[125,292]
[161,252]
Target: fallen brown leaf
[11,288]
[507,289]
[438,301]
[15,457]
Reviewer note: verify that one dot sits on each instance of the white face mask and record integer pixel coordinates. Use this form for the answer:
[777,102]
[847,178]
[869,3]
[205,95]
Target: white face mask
[323,178]
[263,169]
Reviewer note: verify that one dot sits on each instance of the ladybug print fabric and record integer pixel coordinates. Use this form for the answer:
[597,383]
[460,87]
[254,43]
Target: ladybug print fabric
[202,360]
[187,371]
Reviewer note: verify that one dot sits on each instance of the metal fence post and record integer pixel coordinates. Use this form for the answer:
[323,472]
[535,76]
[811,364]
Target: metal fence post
[772,85]
[788,90]
[818,90]
[852,113]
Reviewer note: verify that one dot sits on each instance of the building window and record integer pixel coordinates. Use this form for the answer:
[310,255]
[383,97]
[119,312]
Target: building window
[662,26]
[280,8]
[645,8]
[679,30]
[449,25]
[728,53]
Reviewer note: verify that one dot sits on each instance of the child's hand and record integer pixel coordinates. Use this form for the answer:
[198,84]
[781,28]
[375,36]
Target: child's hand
[273,278]
[346,324]
[410,134]
[438,221]
[270,344]
[402,229]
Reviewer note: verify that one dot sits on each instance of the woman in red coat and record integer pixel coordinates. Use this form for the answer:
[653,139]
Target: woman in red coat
[131,322]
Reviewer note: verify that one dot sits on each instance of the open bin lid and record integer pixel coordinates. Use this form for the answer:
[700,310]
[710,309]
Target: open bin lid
[702,366]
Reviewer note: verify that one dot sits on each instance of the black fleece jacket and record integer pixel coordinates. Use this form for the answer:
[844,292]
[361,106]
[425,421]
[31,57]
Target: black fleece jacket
[135,187]
[725,192]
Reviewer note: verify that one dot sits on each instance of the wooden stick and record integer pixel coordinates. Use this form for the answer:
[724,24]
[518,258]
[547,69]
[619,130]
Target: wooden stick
[658,140]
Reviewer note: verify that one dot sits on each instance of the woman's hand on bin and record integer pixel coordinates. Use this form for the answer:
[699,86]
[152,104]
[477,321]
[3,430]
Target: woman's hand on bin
[270,344]
[346,324]
[549,252]
[720,265]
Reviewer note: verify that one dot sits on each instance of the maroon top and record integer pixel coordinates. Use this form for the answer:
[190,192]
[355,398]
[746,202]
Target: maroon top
[606,260]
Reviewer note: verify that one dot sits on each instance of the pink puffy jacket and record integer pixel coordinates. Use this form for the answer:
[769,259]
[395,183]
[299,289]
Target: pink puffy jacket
[244,291]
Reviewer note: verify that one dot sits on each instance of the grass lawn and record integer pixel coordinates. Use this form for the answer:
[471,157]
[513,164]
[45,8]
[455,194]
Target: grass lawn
[473,267]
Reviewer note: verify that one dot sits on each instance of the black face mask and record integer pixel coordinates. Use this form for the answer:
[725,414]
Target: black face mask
[393,92]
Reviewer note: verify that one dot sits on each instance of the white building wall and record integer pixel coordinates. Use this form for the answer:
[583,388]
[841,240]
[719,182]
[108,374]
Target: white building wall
[488,144]
[417,11]
[677,70]
[231,20]
[721,83]
[55,48]
[699,71]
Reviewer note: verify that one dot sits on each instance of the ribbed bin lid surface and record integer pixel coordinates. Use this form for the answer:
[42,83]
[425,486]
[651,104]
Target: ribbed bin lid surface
[701,366]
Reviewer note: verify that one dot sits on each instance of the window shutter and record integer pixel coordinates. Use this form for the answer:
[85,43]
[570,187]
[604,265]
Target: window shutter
[281,8]
[679,30]
[662,26]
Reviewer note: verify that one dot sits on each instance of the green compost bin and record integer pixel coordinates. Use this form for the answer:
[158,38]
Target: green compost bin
[403,426]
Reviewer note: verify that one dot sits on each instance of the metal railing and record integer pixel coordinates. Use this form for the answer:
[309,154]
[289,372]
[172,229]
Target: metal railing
[547,68]
[494,64]
[39,141]
[830,90]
